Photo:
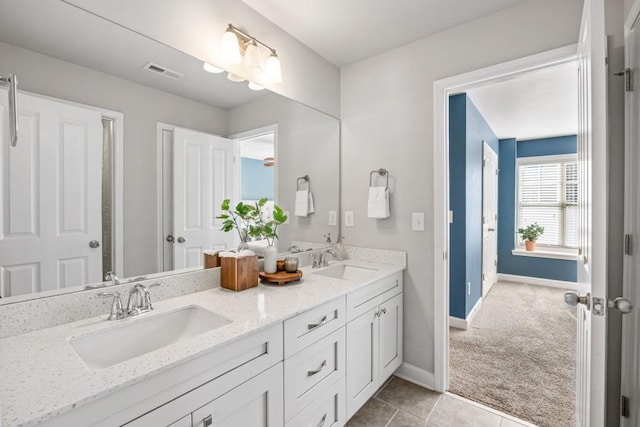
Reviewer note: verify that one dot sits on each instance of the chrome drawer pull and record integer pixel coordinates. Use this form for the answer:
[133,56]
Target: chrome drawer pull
[324,418]
[315,325]
[207,421]
[322,366]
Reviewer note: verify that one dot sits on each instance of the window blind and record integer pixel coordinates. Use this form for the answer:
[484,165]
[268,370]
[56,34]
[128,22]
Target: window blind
[548,195]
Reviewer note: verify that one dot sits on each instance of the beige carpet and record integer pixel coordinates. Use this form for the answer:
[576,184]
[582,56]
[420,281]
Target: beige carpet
[519,355]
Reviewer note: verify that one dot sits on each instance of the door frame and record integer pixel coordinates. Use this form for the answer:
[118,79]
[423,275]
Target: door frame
[442,90]
[484,288]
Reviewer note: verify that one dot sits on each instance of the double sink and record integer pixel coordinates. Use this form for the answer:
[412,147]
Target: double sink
[134,338]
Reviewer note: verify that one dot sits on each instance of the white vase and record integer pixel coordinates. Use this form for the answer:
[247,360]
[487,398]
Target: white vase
[270,259]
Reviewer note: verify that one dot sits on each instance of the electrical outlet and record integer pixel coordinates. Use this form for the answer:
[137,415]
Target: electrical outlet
[288,217]
[348,218]
[468,288]
[417,221]
[333,218]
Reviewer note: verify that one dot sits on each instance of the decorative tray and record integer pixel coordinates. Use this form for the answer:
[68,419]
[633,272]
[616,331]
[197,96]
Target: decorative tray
[280,277]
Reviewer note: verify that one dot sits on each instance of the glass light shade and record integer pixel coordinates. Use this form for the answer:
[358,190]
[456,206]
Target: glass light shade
[252,58]
[230,48]
[211,68]
[273,70]
[254,86]
[234,77]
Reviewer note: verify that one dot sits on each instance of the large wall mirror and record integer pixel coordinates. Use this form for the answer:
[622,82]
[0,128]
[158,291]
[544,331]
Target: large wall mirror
[127,148]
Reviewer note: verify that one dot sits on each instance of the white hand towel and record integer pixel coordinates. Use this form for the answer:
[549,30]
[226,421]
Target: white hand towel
[311,207]
[378,204]
[302,203]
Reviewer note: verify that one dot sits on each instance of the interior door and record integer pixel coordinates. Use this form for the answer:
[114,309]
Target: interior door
[489,218]
[630,381]
[51,192]
[592,229]
[202,179]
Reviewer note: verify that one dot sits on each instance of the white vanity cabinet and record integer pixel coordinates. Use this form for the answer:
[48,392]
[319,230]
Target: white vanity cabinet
[374,339]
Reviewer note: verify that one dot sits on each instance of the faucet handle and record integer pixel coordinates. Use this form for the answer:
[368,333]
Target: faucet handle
[117,311]
[316,262]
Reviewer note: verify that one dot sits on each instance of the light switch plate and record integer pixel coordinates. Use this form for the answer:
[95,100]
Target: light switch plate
[417,221]
[288,217]
[348,218]
[333,218]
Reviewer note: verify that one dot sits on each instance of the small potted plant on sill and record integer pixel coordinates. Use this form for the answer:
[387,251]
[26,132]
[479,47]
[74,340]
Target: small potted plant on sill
[530,234]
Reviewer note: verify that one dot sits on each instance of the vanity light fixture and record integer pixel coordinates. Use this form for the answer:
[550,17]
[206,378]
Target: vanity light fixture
[212,68]
[237,47]
[269,161]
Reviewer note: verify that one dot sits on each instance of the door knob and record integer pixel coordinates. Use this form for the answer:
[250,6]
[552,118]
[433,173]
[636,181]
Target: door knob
[622,305]
[573,299]
[181,239]
[94,244]
[170,238]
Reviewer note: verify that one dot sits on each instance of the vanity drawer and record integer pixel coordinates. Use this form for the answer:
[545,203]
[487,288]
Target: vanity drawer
[308,374]
[363,300]
[308,327]
[328,410]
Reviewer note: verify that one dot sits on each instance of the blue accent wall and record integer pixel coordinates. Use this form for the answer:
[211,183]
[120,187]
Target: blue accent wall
[510,151]
[467,130]
[256,179]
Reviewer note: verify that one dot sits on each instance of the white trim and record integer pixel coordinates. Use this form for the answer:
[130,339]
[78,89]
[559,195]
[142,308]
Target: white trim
[552,158]
[537,281]
[458,323]
[160,126]
[552,253]
[442,90]
[416,375]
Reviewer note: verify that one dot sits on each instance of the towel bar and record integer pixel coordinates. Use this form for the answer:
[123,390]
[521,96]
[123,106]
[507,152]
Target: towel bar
[305,179]
[381,172]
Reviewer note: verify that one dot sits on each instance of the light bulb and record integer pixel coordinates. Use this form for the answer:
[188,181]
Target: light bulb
[252,58]
[273,69]
[230,48]
[234,77]
[254,86]
[211,68]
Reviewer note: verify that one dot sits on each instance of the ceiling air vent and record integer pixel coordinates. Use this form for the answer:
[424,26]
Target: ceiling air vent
[159,69]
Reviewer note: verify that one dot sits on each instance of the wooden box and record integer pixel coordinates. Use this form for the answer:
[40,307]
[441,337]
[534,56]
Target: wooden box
[211,261]
[239,274]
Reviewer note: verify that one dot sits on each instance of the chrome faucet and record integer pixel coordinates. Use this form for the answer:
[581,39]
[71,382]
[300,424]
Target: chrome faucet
[294,249]
[323,257]
[112,276]
[139,302]
[316,260]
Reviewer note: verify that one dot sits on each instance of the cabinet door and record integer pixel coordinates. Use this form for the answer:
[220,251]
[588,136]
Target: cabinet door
[390,336]
[255,403]
[362,360]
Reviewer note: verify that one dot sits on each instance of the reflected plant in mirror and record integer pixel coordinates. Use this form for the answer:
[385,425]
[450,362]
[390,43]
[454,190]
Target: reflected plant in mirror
[241,219]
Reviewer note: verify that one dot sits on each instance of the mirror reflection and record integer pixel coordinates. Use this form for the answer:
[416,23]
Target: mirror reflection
[127,149]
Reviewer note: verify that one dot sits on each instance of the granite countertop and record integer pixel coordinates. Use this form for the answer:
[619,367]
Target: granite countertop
[42,376]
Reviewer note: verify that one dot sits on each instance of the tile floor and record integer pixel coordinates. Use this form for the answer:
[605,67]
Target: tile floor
[400,403]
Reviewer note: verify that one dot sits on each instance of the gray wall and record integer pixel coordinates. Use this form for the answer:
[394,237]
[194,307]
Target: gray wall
[387,121]
[142,107]
[308,144]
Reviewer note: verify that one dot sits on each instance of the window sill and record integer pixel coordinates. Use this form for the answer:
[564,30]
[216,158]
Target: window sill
[554,253]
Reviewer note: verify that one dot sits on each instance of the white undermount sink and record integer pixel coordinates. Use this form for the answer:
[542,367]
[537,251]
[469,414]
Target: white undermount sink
[144,335]
[347,272]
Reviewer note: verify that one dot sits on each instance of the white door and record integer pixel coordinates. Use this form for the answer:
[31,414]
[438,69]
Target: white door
[631,322]
[51,192]
[592,213]
[489,218]
[202,179]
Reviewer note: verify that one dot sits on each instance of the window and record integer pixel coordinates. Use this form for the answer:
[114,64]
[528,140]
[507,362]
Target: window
[548,195]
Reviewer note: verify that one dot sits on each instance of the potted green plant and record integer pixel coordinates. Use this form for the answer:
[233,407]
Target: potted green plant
[266,227]
[530,234]
[241,218]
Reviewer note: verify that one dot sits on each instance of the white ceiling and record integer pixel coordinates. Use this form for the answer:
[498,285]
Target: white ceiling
[258,148]
[347,31]
[538,105]
[62,31]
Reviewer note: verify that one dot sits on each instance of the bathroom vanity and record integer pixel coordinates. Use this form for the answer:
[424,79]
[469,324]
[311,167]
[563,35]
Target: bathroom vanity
[310,353]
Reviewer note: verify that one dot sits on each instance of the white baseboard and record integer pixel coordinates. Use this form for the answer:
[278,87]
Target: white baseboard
[560,284]
[416,375]
[456,322]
